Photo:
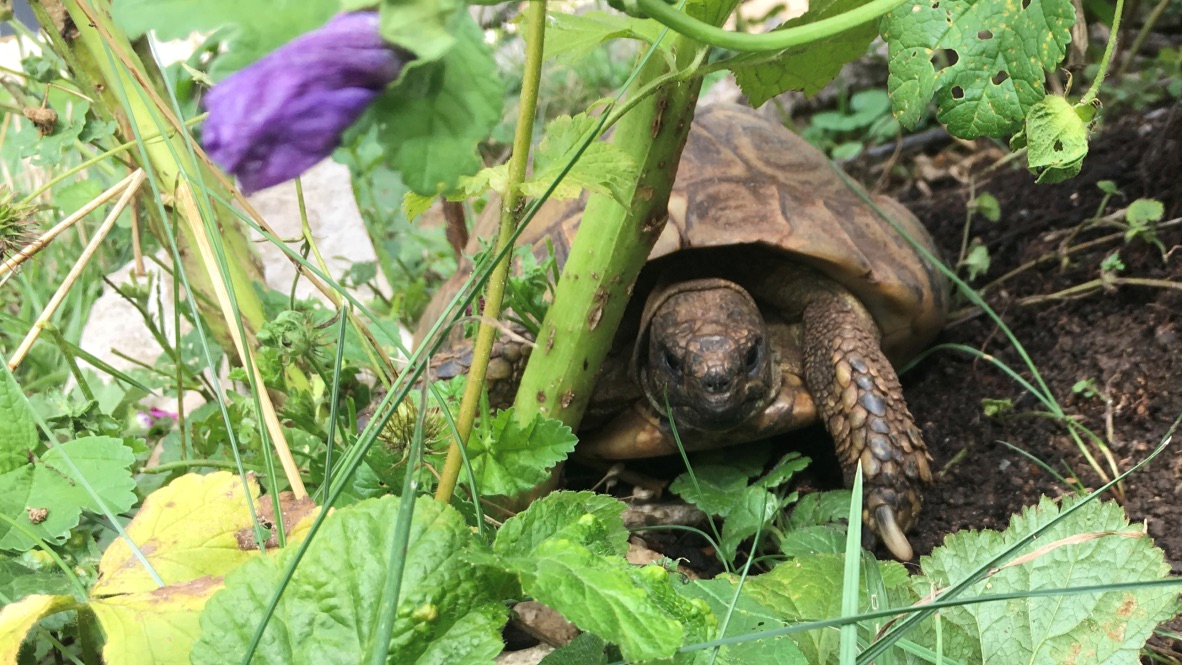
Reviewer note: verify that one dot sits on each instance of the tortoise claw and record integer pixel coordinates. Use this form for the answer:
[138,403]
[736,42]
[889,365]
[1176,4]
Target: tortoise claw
[891,535]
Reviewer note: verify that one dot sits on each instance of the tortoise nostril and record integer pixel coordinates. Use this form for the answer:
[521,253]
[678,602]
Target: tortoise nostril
[716,382]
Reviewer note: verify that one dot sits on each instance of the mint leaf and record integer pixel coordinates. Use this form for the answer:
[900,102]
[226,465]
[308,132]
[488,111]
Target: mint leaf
[562,514]
[807,588]
[608,597]
[1002,50]
[602,168]
[818,508]
[809,67]
[585,649]
[254,28]
[508,458]
[18,433]
[449,610]
[432,120]
[1094,628]
[788,466]
[816,525]
[571,37]
[48,498]
[567,548]
[717,490]
[1056,140]
[745,617]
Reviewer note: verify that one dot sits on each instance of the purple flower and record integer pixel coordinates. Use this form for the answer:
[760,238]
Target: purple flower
[147,419]
[275,119]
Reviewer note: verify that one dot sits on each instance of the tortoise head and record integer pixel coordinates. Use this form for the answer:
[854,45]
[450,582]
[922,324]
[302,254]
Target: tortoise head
[704,348]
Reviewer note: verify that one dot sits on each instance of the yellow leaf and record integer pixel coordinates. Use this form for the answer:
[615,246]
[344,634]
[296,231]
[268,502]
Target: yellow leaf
[17,619]
[186,530]
[196,526]
[158,626]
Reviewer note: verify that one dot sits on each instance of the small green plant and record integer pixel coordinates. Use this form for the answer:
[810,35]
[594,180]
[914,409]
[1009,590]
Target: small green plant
[974,258]
[1087,388]
[865,119]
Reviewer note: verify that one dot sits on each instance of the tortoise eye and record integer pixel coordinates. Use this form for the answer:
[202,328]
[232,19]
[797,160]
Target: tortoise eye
[753,355]
[671,361]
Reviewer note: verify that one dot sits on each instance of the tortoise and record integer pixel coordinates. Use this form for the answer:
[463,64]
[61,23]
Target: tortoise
[775,297]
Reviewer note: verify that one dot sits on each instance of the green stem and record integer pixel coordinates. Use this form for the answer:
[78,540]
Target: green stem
[71,360]
[510,214]
[612,245]
[1105,61]
[182,465]
[777,40]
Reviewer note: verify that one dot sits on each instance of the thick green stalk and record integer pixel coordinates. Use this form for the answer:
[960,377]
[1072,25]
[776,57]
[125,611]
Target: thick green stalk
[610,248]
[510,215]
[95,49]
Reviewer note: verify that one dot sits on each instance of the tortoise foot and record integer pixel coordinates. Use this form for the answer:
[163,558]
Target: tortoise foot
[861,402]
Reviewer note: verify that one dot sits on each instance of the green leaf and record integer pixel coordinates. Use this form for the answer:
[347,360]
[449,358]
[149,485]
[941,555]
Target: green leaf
[746,616]
[48,498]
[564,514]
[254,28]
[608,597]
[419,26]
[986,205]
[808,588]
[18,433]
[717,491]
[994,408]
[866,107]
[585,649]
[752,513]
[508,457]
[602,168]
[1094,546]
[976,262]
[571,37]
[816,525]
[18,581]
[1056,140]
[449,610]
[809,67]
[818,508]
[51,149]
[1002,50]
[1144,211]
[788,466]
[431,122]
[567,549]
[414,204]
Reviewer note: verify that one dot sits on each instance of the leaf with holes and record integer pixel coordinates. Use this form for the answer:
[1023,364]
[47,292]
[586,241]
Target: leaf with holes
[1056,140]
[997,52]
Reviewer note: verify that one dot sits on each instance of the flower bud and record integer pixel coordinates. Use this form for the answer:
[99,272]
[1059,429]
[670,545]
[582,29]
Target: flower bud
[275,119]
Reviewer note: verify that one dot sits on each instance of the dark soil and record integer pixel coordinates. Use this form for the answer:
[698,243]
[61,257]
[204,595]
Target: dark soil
[1128,339]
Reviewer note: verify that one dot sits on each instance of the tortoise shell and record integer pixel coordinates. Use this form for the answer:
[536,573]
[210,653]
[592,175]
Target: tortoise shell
[745,180]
